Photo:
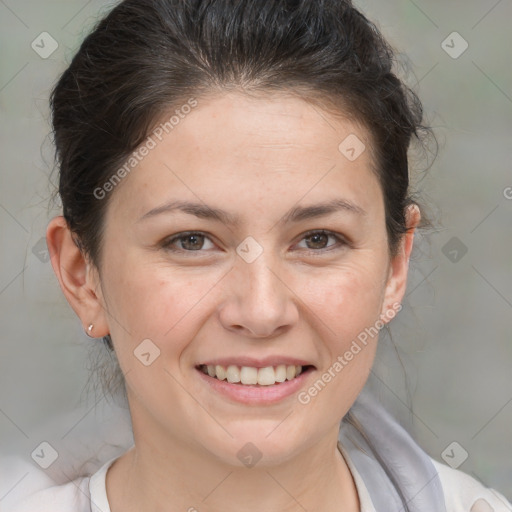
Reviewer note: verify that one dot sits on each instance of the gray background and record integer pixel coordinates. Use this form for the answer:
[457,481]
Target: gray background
[453,334]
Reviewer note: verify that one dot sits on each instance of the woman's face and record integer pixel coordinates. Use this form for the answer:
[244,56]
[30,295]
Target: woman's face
[264,291]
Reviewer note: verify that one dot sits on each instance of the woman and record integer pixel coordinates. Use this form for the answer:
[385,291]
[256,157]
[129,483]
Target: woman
[237,225]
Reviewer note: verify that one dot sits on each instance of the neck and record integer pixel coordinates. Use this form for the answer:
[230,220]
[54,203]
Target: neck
[170,475]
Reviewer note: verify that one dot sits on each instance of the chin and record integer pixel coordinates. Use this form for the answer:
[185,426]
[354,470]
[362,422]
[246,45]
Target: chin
[260,443]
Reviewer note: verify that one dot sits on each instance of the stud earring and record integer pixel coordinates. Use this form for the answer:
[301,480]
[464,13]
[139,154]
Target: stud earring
[89,330]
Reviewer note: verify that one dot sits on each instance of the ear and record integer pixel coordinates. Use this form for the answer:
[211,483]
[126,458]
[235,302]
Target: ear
[78,278]
[399,266]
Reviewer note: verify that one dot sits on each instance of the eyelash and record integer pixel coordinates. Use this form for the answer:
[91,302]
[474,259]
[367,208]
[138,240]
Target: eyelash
[341,241]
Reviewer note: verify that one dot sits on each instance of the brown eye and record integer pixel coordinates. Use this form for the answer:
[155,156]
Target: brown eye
[318,241]
[192,242]
[186,242]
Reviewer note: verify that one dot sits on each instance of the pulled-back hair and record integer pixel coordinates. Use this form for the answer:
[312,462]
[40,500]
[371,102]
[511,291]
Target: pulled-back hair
[149,57]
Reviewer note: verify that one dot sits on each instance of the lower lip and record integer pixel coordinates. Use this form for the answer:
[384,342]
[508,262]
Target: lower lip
[255,394]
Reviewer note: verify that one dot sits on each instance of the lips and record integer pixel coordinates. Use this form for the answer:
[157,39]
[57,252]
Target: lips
[255,381]
[266,391]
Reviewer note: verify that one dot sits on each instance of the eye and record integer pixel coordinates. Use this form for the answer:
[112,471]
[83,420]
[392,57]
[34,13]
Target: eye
[317,241]
[187,242]
[194,241]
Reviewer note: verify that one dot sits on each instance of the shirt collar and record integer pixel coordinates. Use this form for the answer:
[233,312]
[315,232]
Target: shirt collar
[99,500]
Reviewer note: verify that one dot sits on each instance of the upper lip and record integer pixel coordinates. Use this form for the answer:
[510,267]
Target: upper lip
[256,362]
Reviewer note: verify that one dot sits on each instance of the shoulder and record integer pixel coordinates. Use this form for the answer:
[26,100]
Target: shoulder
[463,493]
[57,498]
[25,488]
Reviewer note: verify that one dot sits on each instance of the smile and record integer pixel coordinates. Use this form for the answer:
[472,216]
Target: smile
[249,375]
[255,385]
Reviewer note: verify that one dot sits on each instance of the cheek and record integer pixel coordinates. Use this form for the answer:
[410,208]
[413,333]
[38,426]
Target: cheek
[345,307]
[149,301]
[345,300]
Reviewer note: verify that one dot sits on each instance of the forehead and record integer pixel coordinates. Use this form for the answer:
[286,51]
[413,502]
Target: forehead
[234,148]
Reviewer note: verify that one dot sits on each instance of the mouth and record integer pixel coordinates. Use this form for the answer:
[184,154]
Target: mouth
[266,382]
[253,376]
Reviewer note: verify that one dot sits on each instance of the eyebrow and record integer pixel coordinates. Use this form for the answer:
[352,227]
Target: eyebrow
[295,214]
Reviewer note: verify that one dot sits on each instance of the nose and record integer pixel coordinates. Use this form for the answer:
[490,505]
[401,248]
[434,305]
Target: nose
[260,302]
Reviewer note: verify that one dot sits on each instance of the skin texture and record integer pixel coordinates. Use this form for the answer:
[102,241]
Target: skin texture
[256,157]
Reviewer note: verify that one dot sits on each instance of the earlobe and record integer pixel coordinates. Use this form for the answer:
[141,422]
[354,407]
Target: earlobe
[399,265]
[77,280]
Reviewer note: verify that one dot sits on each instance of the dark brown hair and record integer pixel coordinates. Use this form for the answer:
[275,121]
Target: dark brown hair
[147,57]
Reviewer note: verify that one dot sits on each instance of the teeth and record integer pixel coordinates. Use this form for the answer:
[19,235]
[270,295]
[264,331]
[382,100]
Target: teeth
[233,374]
[249,375]
[280,372]
[266,376]
[221,372]
[290,372]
